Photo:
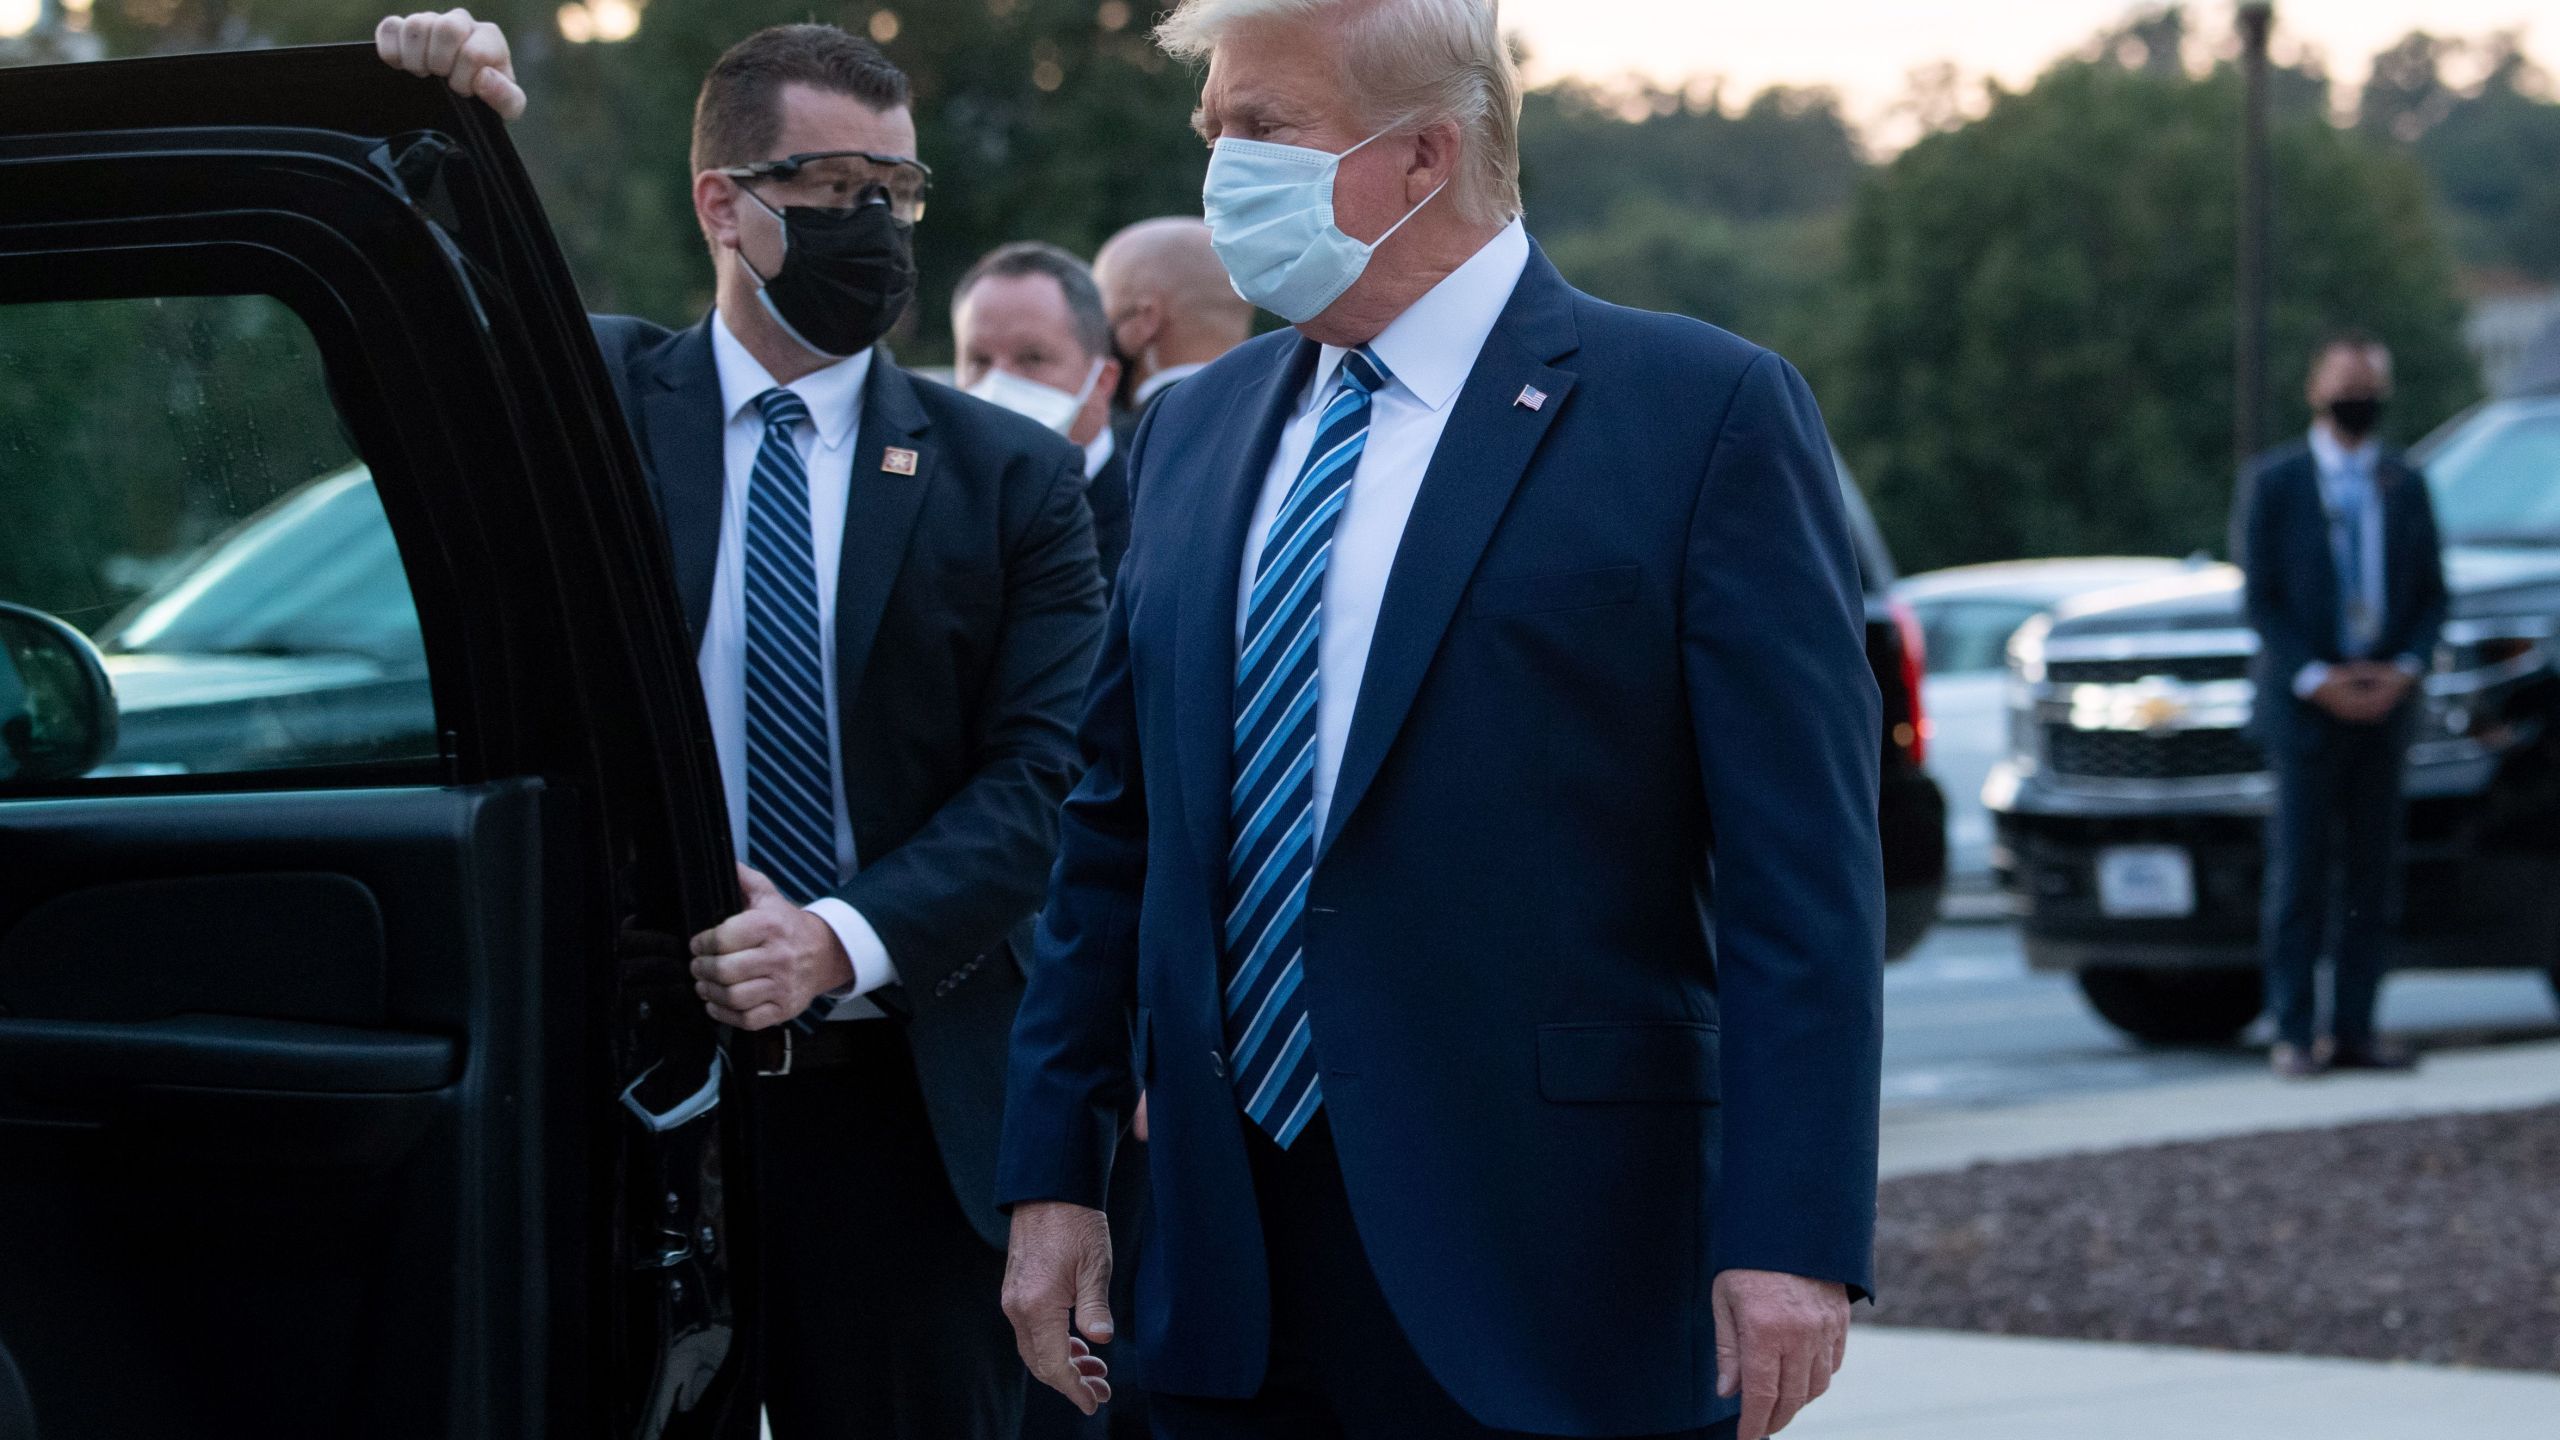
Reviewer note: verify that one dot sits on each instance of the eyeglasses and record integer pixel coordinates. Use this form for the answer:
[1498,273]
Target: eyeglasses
[839,179]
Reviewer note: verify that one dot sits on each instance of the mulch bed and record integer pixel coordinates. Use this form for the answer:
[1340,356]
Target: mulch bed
[2433,1240]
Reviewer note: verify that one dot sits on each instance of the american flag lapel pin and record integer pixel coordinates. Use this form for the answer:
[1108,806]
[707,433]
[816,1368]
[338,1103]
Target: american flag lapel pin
[1531,397]
[898,460]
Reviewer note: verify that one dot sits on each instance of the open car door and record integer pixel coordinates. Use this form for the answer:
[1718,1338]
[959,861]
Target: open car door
[351,1079]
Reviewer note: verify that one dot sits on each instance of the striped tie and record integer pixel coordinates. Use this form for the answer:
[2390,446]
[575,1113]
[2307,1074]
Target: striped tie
[791,819]
[1273,803]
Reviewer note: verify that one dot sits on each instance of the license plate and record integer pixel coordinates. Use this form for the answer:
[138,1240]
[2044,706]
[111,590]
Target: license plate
[2146,882]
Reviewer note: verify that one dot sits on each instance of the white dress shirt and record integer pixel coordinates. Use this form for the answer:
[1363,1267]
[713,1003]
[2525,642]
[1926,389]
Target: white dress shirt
[1429,350]
[1148,387]
[2350,478]
[1097,451]
[826,440]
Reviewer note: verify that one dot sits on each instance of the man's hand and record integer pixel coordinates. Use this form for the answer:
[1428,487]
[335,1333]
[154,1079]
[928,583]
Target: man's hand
[765,964]
[470,55]
[1058,1268]
[2363,692]
[1779,1340]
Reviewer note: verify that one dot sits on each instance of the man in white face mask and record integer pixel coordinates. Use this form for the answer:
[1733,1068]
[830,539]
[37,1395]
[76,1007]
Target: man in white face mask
[1477,861]
[1032,337]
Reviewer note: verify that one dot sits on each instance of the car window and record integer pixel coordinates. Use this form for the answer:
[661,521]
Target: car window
[1969,637]
[1875,562]
[180,489]
[2497,479]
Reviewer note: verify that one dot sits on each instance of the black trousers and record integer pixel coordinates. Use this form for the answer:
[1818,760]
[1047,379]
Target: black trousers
[1341,1368]
[2333,874]
[882,1318]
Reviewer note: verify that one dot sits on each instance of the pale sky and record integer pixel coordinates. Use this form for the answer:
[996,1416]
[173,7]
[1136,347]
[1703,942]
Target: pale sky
[1866,48]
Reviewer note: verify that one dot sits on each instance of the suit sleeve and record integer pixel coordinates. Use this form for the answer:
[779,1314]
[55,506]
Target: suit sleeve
[952,890]
[2430,602]
[1071,1079]
[1788,724]
[2267,590]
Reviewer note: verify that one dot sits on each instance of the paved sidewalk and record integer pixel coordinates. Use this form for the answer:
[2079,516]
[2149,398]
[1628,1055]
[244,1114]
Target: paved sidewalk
[1931,1385]
[2511,1077]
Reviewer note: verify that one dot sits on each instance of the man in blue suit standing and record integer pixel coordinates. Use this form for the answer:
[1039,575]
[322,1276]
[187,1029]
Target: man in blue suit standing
[1477,866]
[2346,592]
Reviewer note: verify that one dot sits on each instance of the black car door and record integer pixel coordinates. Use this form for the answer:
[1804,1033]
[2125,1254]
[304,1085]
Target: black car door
[351,1081]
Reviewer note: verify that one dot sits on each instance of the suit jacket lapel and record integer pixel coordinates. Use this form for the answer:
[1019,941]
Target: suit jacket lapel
[1205,617]
[1481,456]
[681,428]
[880,513]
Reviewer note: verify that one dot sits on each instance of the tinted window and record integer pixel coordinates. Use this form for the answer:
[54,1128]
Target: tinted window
[2497,480]
[178,486]
[1968,637]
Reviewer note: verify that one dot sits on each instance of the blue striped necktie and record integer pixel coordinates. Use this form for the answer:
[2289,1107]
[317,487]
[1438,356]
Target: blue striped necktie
[791,816]
[1272,805]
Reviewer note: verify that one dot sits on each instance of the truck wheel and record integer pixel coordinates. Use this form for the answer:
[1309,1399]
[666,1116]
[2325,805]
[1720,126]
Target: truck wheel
[2175,1007]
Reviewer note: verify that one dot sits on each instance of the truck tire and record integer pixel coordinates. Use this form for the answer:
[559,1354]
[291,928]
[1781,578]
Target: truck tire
[2175,1007]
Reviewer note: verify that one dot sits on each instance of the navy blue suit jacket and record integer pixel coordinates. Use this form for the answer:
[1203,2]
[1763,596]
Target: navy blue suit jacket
[2293,599]
[1594,940]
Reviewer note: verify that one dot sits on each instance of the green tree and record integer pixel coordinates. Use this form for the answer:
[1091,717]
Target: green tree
[2036,352]
[1043,119]
[2495,158]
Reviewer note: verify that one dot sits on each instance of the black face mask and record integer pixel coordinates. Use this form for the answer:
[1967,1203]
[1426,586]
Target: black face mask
[2355,416]
[846,275]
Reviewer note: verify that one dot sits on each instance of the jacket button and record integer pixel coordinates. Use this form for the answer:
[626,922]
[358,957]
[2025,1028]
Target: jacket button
[1218,1063]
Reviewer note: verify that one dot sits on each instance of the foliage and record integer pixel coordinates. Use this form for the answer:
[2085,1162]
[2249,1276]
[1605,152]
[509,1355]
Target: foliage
[2038,349]
[1728,215]
[2493,151]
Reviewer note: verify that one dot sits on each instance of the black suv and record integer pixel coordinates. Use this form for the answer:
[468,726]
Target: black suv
[2131,808]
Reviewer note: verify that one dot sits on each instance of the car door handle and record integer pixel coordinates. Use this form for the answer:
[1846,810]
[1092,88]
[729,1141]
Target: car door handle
[225,1052]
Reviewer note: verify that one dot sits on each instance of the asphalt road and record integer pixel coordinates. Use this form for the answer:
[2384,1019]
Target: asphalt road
[1966,1024]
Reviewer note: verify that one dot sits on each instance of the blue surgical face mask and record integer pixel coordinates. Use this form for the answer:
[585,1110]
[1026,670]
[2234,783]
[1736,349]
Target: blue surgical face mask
[1270,214]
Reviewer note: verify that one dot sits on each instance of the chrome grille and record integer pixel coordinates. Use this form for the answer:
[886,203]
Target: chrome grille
[2135,755]
[2190,668]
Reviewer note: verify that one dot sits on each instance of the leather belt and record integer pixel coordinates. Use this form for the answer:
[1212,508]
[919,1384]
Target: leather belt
[783,1051]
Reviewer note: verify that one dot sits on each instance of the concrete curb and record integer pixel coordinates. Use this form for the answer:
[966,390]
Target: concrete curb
[1932,1385]
[2514,1077]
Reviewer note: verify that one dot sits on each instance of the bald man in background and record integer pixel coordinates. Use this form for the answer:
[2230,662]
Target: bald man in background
[1171,305]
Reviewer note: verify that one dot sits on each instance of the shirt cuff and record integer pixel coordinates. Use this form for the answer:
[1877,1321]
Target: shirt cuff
[872,967]
[2309,679]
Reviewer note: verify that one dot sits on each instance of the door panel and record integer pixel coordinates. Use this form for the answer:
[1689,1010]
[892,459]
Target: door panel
[281,1183]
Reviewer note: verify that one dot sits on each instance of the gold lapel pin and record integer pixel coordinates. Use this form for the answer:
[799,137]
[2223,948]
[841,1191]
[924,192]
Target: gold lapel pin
[898,460]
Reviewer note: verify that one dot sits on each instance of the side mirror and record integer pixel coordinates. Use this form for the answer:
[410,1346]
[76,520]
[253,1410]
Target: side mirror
[57,707]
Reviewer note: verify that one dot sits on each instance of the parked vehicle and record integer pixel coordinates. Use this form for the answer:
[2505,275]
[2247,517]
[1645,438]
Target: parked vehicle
[2130,809]
[1967,615]
[1911,807]
[289,642]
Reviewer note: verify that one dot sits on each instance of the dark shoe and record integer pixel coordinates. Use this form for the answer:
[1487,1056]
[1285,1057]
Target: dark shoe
[2389,1056]
[2292,1062]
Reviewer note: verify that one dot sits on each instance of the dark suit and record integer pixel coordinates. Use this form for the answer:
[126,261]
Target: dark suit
[2333,841]
[1594,942]
[967,611]
[1108,496]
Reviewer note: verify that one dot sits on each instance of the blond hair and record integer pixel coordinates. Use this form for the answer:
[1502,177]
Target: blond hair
[1406,64]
